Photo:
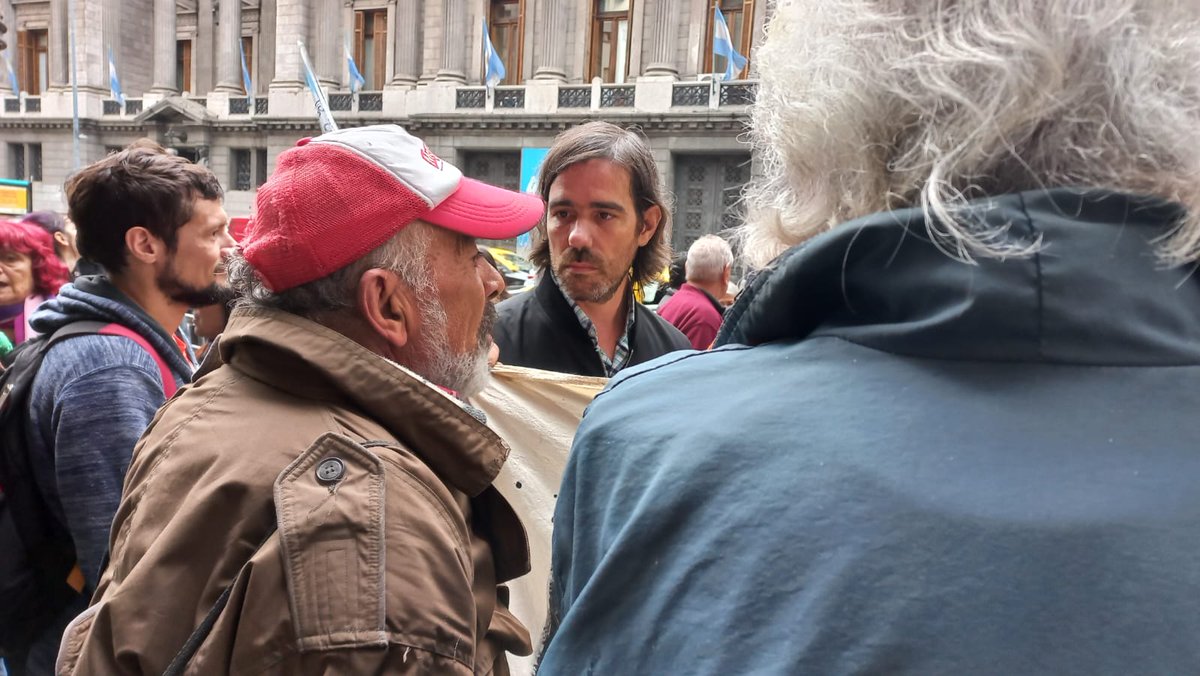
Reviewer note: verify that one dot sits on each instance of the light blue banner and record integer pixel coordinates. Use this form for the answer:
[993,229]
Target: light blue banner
[531,166]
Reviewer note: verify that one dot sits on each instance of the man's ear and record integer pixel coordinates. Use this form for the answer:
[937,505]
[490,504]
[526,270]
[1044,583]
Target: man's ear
[144,246]
[388,306]
[727,274]
[651,219]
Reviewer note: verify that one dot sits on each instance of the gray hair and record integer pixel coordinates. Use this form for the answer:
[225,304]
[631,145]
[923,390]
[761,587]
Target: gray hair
[404,254]
[707,259]
[871,105]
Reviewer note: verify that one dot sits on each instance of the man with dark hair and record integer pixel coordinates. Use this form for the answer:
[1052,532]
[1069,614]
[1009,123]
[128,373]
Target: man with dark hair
[605,228]
[156,223]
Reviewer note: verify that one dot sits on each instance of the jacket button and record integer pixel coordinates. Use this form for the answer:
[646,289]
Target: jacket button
[331,470]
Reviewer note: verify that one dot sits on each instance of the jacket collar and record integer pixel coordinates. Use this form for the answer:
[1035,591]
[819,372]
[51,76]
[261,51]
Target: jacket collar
[1094,293]
[552,300]
[689,288]
[312,361]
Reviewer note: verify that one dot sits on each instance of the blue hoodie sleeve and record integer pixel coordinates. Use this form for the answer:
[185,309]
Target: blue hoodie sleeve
[98,417]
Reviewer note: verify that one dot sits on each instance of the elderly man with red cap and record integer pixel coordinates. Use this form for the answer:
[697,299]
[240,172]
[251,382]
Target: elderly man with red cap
[320,499]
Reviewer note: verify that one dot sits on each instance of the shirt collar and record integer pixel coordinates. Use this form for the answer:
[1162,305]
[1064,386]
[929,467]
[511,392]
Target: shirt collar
[620,358]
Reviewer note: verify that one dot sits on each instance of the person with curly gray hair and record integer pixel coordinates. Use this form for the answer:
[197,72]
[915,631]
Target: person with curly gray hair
[962,383]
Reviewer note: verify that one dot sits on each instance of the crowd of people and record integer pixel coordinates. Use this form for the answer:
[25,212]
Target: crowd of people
[943,428]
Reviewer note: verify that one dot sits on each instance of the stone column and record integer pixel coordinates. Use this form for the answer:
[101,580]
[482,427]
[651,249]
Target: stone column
[91,60]
[291,25]
[229,55]
[60,46]
[203,48]
[326,53]
[164,48]
[111,32]
[664,39]
[407,43]
[552,60]
[454,35]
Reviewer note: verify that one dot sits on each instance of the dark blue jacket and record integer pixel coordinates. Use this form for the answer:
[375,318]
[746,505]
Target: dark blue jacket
[902,464]
[92,399]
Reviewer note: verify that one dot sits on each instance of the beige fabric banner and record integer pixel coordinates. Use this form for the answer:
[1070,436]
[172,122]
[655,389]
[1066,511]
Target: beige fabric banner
[537,413]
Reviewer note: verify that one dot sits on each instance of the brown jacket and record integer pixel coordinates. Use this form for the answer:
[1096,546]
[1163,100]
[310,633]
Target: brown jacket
[393,568]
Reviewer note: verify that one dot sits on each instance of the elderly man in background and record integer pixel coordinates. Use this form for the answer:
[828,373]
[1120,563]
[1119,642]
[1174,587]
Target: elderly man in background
[696,308]
[320,500]
[965,434]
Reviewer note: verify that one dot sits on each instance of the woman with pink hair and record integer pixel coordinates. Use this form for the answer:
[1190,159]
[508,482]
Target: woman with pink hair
[30,273]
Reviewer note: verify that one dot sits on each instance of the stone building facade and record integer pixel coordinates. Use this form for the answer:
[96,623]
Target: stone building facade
[638,63]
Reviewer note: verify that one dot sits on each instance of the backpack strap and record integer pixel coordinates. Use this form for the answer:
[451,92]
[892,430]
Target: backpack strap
[164,370]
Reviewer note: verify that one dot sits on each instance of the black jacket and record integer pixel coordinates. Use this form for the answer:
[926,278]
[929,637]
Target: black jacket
[539,329]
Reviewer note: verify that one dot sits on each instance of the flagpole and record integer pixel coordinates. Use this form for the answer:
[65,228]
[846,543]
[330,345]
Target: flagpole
[75,155]
[324,115]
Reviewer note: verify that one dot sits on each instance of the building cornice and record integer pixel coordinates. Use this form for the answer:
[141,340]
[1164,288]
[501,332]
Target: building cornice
[673,123]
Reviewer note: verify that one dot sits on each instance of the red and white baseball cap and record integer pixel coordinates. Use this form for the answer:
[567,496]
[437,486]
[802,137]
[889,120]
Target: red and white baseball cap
[336,197]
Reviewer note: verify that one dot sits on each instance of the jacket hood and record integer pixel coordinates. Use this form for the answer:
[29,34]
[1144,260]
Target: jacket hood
[879,281]
[97,299]
[322,364]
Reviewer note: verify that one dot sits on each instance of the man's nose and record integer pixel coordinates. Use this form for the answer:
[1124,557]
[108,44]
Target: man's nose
[493,282]
[580,236]
[228,243]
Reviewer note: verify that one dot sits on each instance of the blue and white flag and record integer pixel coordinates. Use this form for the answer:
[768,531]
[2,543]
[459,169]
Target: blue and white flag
[12,77]
[493,66]
[324,117]
[246,76]
[723,46]
[114,84]
[356,77]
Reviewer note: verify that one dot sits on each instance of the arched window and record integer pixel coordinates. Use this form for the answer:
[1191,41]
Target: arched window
[506,24]
[739,16]
[610,40]
[33,60]
[370,46]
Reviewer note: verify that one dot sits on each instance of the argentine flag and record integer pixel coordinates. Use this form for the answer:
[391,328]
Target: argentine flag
[12,77]
[114,84]
[494,72]
[723,46]
[246,75]
[356,78]
[324,116]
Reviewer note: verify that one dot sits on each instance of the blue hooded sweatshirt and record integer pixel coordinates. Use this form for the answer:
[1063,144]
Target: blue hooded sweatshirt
[92,398]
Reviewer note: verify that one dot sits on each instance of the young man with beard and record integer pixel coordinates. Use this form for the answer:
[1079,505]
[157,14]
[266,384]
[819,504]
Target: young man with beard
[154,221]
[323,474]
[606,228]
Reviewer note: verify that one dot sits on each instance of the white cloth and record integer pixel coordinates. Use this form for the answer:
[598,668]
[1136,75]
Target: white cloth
[536,413]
